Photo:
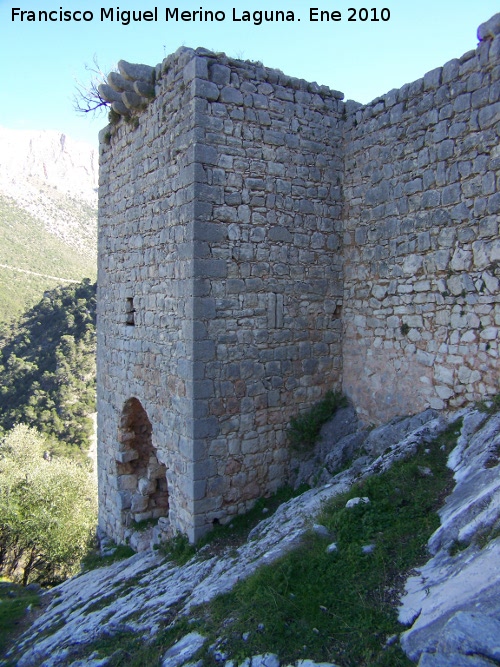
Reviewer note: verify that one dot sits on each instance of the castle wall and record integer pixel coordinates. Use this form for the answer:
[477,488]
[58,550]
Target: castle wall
[261,242]
[220,238]
[145,254]
[268,272]
[422,252]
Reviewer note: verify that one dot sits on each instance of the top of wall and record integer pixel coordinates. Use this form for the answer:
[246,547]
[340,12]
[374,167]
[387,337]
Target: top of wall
[130,90]
[485,56]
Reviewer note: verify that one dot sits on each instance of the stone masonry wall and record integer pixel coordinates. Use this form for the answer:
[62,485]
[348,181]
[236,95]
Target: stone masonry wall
[220,226]
[262,242]
[269,230]
[421,245]
[146,277]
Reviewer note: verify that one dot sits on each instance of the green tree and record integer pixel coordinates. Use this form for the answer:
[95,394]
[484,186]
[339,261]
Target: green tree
[48,508]
[47,365]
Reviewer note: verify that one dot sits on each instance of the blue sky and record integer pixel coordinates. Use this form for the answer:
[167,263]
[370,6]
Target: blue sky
[40,62]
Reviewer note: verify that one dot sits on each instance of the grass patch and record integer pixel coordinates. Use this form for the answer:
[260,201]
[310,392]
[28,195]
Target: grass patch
[15,600]
[101,603]
[484,537]
[340,607]
[177,549]
[144,525]
[93,559]
[240,526]
[304,429]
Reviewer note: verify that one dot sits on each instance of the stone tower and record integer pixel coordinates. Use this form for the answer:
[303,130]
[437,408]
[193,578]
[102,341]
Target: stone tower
[220,289]
[262,242]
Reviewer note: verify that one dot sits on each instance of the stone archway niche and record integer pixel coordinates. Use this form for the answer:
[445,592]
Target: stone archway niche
[142,481]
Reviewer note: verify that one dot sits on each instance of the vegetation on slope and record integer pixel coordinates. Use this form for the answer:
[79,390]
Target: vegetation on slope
[305,428]
[25,244]
[326,605]
[48,508]
[339,606]
[47,365]
[15,602]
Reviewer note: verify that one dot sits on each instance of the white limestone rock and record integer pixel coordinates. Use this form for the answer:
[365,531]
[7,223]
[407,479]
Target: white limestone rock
[183,650]
[448,586]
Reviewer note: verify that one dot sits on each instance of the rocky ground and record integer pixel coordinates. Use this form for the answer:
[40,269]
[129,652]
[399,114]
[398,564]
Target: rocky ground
[451,605]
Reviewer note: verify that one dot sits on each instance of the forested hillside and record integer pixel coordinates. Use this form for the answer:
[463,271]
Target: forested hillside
[47,366]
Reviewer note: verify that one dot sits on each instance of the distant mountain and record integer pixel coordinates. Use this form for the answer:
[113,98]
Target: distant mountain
[48,215]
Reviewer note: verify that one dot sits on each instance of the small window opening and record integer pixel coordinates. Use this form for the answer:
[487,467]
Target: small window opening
[130,312]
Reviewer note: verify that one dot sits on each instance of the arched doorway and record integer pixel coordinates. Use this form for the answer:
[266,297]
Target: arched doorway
[142,478]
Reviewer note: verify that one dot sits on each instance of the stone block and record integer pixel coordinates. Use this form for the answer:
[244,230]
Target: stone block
[146,486]
[490,333]
[139,503]
[205,89]
[127,482]
[220,74]
[127,456]
[231,95]
[444,374]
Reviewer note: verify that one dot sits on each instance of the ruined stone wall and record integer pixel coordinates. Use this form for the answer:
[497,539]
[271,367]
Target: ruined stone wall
[421,245]
[220,238]
[268,271]
[145,283]
[260,243]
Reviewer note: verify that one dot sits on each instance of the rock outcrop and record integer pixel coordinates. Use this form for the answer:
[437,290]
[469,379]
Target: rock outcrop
[452,603]
[54,179]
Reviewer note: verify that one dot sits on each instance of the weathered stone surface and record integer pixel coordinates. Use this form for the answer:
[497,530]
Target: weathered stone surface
[453,602]
[357,501]
[471,633]
[120,108]
[144,89]
[452,660]
[265,660]
[182,651]
[489,29]
[388,435]
[134,72]
[118,83]
[132,100]
[108,93]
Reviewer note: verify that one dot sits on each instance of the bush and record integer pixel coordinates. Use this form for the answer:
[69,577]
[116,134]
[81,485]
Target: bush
[47,510]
